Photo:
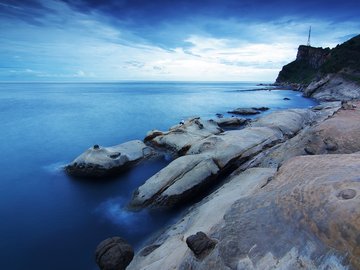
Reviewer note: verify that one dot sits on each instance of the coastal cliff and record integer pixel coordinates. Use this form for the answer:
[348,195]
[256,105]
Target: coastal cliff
[325,74]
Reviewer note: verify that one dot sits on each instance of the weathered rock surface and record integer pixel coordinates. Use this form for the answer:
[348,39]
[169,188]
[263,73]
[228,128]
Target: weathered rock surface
[333,87]
[176,182]
[181,136]
[306,217]
[230,122]
[336,135]
[211,157]
[171,246]
[244,111]
[201,244]
[100,161]
[289,121]
[113,254]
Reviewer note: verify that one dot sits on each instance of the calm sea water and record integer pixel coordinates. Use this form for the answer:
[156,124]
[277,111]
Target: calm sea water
[50,221]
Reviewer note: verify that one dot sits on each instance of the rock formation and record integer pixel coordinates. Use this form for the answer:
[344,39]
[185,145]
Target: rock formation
[113,254]
[100,161]
[325,74]
[303,216]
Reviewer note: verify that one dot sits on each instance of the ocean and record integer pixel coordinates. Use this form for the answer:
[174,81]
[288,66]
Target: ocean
[50,221]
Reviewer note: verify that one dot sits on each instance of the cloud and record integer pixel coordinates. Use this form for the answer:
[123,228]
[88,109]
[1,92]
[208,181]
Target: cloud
[118,40]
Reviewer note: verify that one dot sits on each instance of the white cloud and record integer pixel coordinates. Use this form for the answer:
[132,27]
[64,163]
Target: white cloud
[72,45]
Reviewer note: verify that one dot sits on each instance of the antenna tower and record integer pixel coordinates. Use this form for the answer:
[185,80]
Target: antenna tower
[308,43]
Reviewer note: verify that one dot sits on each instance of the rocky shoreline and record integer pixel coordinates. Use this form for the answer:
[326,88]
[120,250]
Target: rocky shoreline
[282,191]
[271,168]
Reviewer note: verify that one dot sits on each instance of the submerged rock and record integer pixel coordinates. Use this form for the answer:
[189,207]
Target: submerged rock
[230,122]
[181,179]
[100,161]
[113,254]
[244,111]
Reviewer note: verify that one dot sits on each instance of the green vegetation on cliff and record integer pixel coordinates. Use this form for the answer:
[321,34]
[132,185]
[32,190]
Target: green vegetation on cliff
[312,63]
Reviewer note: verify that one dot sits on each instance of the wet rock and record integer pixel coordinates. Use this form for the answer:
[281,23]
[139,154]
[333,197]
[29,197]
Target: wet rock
[113,254]
[200,244]
[219,115]
[286,98]
[177,182]
[244,111]
[100,161]
[180,137]
[260,108]
[230,122]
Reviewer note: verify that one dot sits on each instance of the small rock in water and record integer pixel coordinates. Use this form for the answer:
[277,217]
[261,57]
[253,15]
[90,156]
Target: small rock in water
[286,98]
[200,244]
[261,108]
[96,146]
[219,115]
[113,254]
[244,111]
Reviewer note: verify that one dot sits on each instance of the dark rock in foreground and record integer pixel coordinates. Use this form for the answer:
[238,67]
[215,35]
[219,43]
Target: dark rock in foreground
[200,244]
[113,254]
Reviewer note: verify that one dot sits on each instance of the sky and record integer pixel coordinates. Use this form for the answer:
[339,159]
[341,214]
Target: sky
[173,40]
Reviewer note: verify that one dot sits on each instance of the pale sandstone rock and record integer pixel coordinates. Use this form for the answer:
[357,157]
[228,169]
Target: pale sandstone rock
[183,135]
[99,161]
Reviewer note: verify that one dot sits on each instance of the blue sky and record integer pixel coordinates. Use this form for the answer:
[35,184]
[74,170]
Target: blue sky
[205,40]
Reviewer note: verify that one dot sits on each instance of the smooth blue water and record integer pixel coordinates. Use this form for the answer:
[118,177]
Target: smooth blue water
[50,221]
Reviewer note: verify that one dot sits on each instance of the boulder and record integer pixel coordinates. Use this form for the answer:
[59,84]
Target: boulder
[113,254]
[244,111]
[200,244]
[100,161]
[182,136]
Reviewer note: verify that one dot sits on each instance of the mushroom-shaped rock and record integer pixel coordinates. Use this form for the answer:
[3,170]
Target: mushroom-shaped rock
[113,254]
[100,161]
[182,136]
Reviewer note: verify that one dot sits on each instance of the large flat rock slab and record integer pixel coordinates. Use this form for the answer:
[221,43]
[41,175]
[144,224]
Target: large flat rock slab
[306,217]
[234,145]
[289,121]
[337,134]
[99,161]
[176,182]
[171,249]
